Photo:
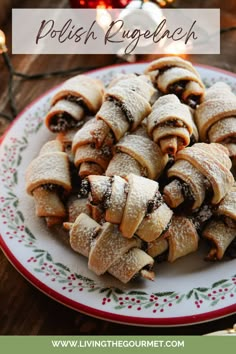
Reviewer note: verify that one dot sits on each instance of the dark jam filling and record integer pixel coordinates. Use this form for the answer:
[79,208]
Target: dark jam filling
[193,101]
[106,151]
[52,187]
[84,189]
[186,206]
[175,123]
[231,250]
[154,203]
[192,140]
[201,216]
[186,190]
[75,179]
[106,202]
[63,122]
[107,199]
[147,267]
[163,178]
[178,88]
[67,147]
[163,69]
[124,109]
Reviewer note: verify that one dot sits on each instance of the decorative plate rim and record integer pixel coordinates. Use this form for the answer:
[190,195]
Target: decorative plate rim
[95,312]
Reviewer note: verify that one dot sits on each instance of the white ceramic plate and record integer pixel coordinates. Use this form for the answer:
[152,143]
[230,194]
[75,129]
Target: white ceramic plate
[185,292]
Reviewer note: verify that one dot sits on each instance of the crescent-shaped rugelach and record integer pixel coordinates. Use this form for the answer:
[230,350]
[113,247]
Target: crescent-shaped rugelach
[75,98]
[178,76]
[221,230]
[216,116]
[66,138]
[125,105]
[200,170]
[179,240]
[47,179]
[170,124]
[108,251]
[136,153]
[134,203]
[182,238]
[88,158]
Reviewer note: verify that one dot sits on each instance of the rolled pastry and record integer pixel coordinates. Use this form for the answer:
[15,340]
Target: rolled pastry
[134,203]
[220,236]
[108,251]
[75,98]
[88,158]
[125,106]
[66,138]
[136,153]
[221,230]
[180,239]
[216,116]
[178,76]
[157,247]
[201,170]
[131,77]
[75,207]
[170,124]
[47,180]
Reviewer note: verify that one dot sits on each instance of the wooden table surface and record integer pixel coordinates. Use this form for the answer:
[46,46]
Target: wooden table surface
[24,310]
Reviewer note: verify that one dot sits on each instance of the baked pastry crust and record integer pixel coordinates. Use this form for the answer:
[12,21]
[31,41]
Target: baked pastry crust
[133,203]
[220,235]
[124,261]
[182,238]
[126,104]
[200,167]
[73,100]
[88,158]
[178,76]
[46,176]
[216,116]
[221,230]
[145,157]
[178,241]
[170,124]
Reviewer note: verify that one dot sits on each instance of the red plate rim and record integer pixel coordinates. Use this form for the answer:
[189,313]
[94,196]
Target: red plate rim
[104,315]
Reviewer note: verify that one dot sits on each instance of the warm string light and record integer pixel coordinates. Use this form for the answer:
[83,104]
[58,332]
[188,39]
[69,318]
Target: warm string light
[178,48]
[23,76]
[109,4]
[3,47]
[99,4]
[162,3]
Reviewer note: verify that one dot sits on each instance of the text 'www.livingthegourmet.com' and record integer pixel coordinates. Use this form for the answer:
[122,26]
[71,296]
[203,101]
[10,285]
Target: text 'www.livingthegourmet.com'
[117,343]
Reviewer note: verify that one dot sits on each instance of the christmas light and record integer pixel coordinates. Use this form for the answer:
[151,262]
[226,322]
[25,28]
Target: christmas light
[3,47]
